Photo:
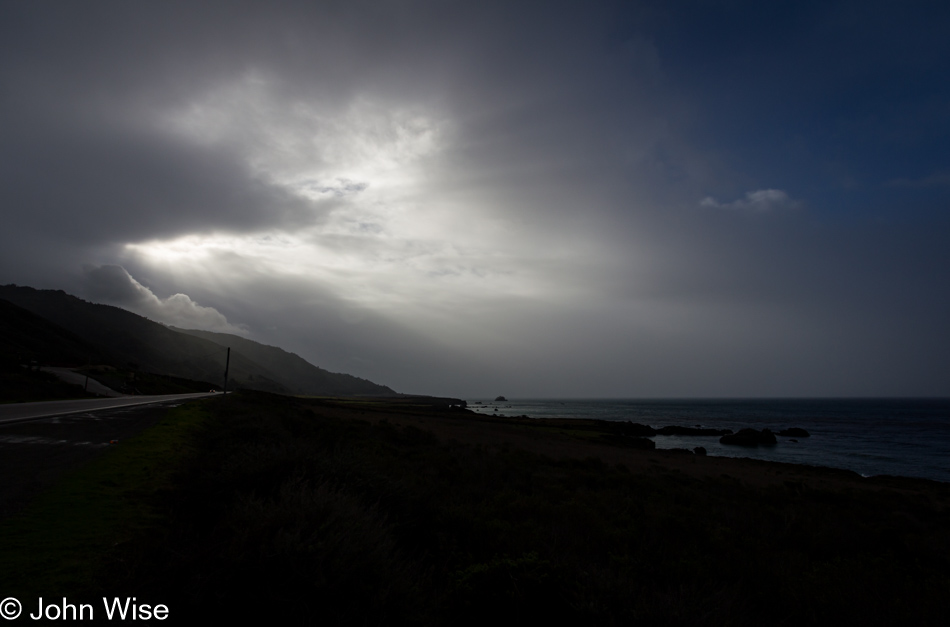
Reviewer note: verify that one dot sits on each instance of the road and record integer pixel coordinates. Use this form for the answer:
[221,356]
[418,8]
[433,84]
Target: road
[39,442]
[21,412]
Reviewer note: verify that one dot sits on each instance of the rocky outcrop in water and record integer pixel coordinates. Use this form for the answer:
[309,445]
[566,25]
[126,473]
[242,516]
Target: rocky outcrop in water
[794,432]
[678,430]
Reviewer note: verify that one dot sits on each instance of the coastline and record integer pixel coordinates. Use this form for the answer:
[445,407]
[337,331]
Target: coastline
[872,437]
[578,439]
[287,510]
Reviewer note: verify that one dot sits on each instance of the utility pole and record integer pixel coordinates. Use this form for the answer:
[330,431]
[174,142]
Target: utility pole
[227,363]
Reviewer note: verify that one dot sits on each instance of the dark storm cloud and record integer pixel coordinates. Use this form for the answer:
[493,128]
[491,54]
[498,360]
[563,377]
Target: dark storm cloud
[112,284]
[656,198]
[81,81]
[100,184]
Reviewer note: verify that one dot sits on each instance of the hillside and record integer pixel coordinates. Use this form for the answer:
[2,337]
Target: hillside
[299,375]
[128,340]
[26,337]
[135,341]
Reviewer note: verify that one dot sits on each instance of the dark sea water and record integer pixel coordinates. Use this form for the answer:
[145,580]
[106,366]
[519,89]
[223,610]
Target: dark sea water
[901,437]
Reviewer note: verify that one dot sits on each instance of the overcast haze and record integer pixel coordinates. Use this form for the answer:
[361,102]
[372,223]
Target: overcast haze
[555,199]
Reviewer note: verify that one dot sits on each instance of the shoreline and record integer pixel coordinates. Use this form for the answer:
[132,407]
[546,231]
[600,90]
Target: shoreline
[871,437]
[579,438]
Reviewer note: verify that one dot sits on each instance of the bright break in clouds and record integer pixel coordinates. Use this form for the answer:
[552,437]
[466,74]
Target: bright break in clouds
[617,199]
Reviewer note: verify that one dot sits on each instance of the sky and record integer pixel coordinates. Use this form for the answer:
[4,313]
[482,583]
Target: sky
[535,199]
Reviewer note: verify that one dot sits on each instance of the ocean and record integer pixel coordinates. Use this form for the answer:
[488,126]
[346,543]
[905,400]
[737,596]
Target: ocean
[900,437]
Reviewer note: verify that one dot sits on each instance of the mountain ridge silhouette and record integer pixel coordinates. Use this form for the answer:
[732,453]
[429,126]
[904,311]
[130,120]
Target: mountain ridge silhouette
[130,340]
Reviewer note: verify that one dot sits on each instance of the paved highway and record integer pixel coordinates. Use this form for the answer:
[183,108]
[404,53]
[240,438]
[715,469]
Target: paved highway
[21,412]
[41,441]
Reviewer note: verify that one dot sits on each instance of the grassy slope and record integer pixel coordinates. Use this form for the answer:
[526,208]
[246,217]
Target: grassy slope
[305,511]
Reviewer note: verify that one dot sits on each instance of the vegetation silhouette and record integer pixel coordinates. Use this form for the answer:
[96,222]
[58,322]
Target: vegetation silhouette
[309,511]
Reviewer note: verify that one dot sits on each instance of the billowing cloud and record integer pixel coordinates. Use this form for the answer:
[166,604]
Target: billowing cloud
[114,285]
[758,201]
